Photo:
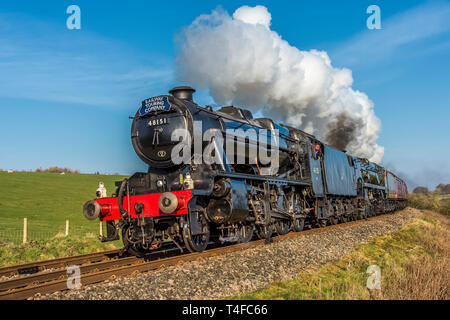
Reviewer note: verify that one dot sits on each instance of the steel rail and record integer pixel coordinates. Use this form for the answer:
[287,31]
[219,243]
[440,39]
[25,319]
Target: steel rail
[38,266]
[61,273]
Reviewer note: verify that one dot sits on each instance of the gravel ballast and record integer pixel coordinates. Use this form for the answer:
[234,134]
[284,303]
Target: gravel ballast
[242,271]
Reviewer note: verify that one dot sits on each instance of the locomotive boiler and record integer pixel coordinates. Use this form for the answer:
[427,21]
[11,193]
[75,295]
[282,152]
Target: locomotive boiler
[224,176]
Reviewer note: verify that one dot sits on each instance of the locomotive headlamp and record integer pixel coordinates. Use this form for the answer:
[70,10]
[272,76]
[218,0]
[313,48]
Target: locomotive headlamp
[159,183]
[168,202]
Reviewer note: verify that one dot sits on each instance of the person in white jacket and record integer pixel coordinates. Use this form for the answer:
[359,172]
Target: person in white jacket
[101,191]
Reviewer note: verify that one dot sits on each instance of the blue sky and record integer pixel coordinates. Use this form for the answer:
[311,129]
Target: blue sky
[65,95]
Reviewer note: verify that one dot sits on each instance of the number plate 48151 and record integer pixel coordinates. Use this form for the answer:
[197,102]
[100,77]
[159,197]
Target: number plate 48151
[157,122]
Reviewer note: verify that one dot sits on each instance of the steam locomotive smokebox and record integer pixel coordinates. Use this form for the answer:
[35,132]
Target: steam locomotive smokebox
[155,121]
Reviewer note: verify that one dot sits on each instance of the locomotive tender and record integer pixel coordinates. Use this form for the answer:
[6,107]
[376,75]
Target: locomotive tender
[196,202]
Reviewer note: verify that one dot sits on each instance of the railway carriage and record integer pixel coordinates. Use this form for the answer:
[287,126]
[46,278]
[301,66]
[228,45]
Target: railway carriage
[241,194]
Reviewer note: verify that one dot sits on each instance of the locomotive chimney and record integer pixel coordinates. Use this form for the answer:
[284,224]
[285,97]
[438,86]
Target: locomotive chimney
[184,92]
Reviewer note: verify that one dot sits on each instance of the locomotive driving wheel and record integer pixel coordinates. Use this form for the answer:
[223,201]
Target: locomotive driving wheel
[332,215]
[322,223]
[282,226]
[264,231]
[334,220]
[363,213]
[354,213]
[298,224]
[245,233]
[196,232]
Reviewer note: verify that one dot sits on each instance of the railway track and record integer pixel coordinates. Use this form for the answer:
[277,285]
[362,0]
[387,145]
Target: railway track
[34,267]
[52,275]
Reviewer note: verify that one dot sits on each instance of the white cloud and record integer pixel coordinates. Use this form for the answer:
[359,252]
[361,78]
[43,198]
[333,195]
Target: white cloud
[253,15]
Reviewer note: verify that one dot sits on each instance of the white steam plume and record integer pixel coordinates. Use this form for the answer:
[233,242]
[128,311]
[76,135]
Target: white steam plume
[242,62]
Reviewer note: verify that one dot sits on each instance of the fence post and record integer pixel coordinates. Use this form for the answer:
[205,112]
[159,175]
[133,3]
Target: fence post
[24,230]
[67,228]
[101,228]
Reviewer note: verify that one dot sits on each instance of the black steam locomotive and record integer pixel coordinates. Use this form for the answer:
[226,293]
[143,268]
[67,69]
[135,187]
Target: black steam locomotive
[227,177]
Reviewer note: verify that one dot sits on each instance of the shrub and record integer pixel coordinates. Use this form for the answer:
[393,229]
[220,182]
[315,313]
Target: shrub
[57,169]
[421,190]
[444,188]
[432,201]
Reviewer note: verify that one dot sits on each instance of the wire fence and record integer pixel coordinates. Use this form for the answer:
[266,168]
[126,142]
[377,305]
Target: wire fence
[27,233]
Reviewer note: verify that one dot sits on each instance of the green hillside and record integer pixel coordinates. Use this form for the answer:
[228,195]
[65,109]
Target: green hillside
[47,200]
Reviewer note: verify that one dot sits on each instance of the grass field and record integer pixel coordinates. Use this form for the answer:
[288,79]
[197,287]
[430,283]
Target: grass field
[47,200]
[434,201]
[413,262]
